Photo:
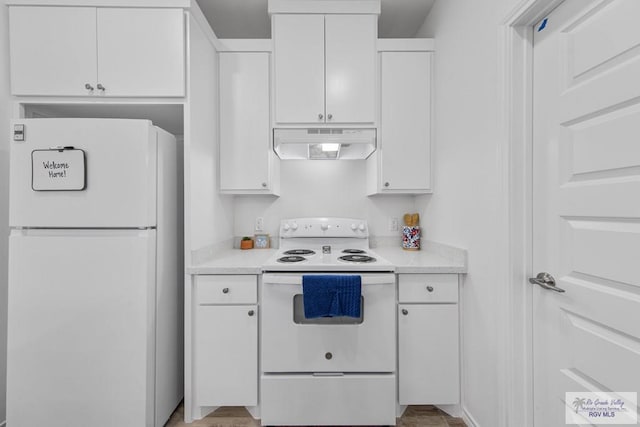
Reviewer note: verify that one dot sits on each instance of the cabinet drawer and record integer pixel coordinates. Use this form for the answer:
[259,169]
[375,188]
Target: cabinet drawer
[428,288]
[227,289]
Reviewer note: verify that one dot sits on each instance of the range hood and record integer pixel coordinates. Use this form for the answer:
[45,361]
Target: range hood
[324,143]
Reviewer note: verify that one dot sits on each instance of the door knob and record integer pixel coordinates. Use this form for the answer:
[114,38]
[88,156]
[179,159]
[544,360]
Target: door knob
[329,116]
[546,281]
[405,311]
[87,86]
[100,87]
[320,116]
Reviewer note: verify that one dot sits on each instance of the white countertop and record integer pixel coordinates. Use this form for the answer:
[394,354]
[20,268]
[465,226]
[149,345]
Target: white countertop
[433,258]
[422,261]
[234,261]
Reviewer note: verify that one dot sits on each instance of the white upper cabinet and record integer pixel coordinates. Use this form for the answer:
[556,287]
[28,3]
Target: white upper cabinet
[88,51]
[247,164]
[324,68]
[350,42]
[299,68]
[141,52]
[402,163]
[53,50]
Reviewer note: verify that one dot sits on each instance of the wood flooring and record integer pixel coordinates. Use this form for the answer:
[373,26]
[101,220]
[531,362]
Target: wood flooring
[414,416]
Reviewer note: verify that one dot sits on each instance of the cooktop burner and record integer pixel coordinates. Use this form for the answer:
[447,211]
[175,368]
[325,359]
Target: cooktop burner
[357,258]
[291,258]
[354,251]
[299,252]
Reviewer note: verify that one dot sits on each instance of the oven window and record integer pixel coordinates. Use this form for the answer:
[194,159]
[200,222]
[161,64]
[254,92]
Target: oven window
[298,315]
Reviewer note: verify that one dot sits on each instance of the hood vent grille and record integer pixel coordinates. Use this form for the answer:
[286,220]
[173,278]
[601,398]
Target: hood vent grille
[324,143]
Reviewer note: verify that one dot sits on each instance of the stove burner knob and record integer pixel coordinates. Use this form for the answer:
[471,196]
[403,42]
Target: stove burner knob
[361,226]
[324,227]
[328,356]
[294,226]
[354,227]
[286,227]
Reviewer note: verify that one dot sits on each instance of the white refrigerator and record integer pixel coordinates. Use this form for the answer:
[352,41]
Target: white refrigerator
[95,274]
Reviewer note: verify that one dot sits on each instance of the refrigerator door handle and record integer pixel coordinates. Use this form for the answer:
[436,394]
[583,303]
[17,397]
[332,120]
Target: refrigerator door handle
[62,148]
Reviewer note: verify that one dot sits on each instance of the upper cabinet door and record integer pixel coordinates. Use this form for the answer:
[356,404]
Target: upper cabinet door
[141,52]
[299,68]
[53,50]
[405,123]
[244,123]
[350,68]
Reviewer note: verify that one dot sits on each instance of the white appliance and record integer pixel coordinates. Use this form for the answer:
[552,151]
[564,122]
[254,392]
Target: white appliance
[328,370]
[324,143]
[95,296]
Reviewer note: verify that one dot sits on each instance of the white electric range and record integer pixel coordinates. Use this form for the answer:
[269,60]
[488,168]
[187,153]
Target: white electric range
[325,245]
[328,370]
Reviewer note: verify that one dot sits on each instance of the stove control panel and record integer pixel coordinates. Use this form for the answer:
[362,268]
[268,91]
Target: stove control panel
[324,227]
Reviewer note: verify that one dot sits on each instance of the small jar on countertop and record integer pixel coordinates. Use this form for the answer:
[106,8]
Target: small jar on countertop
[411,238]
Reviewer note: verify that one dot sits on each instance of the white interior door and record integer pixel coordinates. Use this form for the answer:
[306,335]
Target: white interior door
[586,204]
[81,335]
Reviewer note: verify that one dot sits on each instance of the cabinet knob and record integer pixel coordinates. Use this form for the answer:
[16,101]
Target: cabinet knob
[320,116]
[405,311]
[264,185]
[329,116]
[251,313]
[430,288]
[328,356]
[88,86]
[386,184]
[100,87]
[225,290]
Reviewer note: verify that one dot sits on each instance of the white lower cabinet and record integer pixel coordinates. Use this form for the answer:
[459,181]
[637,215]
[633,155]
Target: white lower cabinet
[226,341]
[428,339]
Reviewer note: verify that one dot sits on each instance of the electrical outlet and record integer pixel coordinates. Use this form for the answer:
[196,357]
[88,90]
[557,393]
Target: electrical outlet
[259,224]
[393,224]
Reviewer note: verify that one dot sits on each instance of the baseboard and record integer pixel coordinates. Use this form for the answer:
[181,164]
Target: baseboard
[468,418]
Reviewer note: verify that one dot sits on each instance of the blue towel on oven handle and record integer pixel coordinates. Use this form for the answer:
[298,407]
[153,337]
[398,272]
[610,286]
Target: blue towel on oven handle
[331,295]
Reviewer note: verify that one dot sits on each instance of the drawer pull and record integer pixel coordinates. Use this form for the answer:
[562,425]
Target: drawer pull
[225,290]
[251,313]
[405,311]
[328,356]
[430,288]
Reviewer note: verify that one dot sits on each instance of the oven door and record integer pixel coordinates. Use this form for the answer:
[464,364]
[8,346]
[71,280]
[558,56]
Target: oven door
[291,343]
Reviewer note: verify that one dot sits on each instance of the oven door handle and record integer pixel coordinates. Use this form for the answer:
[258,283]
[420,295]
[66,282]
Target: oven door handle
[281,279]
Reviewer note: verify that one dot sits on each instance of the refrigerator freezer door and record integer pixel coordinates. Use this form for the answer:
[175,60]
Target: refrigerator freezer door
[120,166]
[81,328]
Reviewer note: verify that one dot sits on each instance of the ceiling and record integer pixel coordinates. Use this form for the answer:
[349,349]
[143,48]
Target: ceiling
[248,19]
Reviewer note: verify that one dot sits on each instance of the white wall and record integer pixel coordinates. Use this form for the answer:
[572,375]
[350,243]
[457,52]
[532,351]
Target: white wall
[320,188]
[463,211]
[4,198]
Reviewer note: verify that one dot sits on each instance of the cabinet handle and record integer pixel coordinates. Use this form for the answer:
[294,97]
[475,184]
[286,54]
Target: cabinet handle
[88,86]
[430,288]
[386,184]
[329,116]
[100,87]
[251,313]
[405,311]
[328,356]
[264,185]
[320,116]
[225,290]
